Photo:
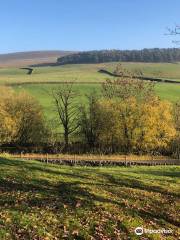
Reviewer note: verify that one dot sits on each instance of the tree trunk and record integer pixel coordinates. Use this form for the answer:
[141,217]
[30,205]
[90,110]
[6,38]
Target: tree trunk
[66,140]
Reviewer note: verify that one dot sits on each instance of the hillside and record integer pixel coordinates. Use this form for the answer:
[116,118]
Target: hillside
[30,58]
[87,78]
[45,58]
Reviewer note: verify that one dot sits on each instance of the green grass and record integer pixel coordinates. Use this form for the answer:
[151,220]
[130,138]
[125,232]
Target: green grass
[86,72]
[161,70]
[41,93]
[39,201]
[80,72]
[164,90]
[168,91]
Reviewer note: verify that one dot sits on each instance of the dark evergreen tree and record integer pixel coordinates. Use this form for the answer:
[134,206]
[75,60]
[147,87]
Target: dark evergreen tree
[145,55]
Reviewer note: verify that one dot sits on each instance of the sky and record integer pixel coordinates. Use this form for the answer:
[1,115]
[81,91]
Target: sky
[86,24]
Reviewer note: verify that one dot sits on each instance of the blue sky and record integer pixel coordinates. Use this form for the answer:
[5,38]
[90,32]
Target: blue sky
[86,24]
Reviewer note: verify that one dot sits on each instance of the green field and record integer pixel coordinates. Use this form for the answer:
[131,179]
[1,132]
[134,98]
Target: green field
[87,79]
[39,201]
[41,92]
[79,73]
[167,91]
[86,72]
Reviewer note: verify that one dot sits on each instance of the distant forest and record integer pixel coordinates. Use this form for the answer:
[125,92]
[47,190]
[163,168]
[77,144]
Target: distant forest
[144,55]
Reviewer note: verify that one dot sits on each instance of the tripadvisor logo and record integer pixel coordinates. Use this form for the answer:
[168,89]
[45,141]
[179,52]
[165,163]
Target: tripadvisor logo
[139,231]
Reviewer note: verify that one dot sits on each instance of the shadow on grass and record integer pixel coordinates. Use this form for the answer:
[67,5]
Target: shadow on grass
[77,194]
[72,194]
[131,182]
[159,173]
[139,185]
[8,162]
[37,166]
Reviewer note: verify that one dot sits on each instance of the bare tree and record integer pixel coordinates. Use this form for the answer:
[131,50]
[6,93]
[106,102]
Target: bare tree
[64,99]
[174,32]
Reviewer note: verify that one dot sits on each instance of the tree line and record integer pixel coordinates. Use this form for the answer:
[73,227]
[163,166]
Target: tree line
[125,117]
[144,55]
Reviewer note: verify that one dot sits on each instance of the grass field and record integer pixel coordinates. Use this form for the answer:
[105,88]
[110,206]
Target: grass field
[86,72]
[80,73]
[40,91]
[50,202]
[161,70]
[87,78]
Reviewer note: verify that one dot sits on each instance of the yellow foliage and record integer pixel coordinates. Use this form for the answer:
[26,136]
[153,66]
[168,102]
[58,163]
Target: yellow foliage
[134,125]
[21,117]
[7,126]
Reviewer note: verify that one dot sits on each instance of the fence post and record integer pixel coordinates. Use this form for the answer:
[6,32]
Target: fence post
[125,161]
[75,159]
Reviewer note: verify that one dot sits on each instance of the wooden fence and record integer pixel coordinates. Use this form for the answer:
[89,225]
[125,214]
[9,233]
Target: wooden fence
[73,161]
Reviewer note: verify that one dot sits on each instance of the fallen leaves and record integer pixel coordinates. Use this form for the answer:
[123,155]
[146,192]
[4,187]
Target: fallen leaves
[91,206]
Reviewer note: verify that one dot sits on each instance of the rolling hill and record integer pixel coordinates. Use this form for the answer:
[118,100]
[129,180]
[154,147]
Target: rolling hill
[20,59]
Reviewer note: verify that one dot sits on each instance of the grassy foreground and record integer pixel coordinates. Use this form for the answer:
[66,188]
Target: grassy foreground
[56,202]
